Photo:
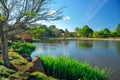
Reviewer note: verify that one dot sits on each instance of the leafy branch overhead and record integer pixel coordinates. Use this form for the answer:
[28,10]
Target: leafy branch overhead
[19,12]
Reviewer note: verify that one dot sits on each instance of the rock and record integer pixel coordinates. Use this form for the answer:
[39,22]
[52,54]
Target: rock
[27,57]
[36,65]
[23,68]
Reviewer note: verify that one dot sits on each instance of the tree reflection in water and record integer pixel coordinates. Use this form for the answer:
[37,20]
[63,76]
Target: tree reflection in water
[105,44]
[65,48]
[118,47]
[84,44]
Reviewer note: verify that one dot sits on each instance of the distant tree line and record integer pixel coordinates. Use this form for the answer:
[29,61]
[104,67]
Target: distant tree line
[42,31]
[86,31]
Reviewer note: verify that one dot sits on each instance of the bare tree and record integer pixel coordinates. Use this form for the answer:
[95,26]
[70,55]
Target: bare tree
[19,13]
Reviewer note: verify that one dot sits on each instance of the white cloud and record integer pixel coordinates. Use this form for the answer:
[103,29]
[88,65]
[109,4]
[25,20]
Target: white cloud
[66,18]
[51,12]
[41,22]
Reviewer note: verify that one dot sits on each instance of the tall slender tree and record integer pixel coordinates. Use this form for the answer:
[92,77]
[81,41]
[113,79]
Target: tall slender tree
[20,13]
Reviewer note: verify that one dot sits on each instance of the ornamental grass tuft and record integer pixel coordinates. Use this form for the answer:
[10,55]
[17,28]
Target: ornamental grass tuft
[70,69]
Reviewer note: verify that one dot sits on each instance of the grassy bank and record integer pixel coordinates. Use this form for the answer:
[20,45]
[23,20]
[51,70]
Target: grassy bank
[71,69]
[23,47]
[17,73]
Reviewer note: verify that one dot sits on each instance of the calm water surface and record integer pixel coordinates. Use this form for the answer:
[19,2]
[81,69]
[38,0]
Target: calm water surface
[96,53]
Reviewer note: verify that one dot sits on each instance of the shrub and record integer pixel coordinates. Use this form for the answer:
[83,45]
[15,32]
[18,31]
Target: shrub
[5,71]
[1,62]
[71,69]
[16,59]
[2,78]
[27,37]
[19,76]
[41,76]
[23,47]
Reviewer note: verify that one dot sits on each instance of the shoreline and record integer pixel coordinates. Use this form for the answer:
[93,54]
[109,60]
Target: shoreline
[94,39]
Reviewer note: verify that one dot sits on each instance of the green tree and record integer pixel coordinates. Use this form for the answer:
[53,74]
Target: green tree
[85,31]
[56,32]
[113,33]
[105,33]
[38,32]
[118,30]
[43,26]
[52,27]
[71,34]
[20,13]
[76,29]
[96,34]
[62,31]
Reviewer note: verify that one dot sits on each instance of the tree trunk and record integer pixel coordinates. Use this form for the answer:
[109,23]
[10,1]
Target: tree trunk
[4,47]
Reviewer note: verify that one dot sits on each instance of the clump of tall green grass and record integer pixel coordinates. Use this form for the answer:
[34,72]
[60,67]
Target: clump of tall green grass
[71,69]
[23,47]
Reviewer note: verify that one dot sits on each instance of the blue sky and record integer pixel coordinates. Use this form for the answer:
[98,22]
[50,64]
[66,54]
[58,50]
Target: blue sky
[98,14]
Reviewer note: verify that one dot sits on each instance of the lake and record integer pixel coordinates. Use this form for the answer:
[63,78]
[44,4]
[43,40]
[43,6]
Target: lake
[96,53]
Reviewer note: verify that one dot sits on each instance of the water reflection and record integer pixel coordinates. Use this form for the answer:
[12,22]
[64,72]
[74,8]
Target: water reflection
[118,47]
[65,48]
[84,44]
[65,43]
[40,48]
[105,44]
[102,53]
[53,42]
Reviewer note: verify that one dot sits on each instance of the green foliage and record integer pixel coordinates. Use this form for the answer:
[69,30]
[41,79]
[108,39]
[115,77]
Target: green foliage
[17,59]
[2,18]
[30,14]
[118,30]
[19,76]
[40,31]
[1,62]
[105,33]
[2,78]
[71,69]
[4,71]
[84,44]
[44,31]
[96,34]
[113,34]
[85,31]
[41,76]
[70,35]
[56,32]
[23,47]
[52,27]
[76,29]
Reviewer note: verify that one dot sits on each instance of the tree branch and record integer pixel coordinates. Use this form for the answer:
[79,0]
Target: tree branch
[6,9]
